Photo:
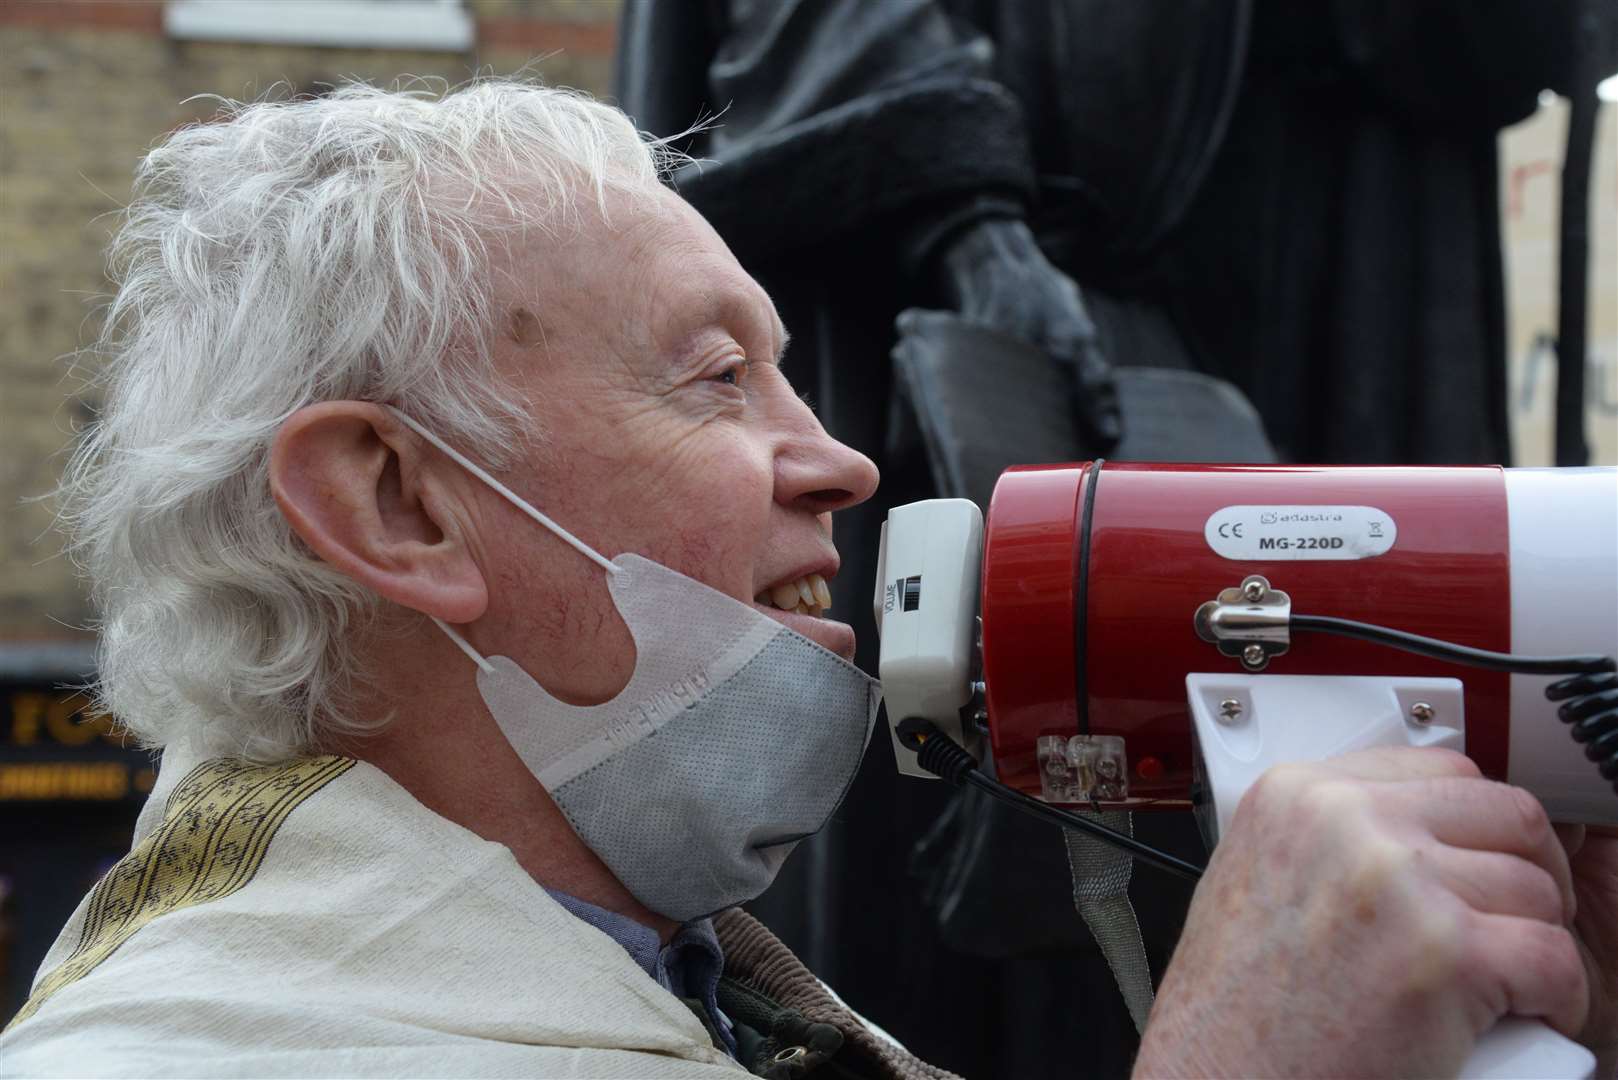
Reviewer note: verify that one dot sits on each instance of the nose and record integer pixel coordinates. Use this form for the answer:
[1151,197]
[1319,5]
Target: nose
[816,473]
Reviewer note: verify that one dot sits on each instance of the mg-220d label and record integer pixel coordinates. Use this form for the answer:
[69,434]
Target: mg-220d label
[1259,533]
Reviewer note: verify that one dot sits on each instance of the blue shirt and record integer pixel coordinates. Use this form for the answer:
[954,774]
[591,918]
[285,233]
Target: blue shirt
[689,966]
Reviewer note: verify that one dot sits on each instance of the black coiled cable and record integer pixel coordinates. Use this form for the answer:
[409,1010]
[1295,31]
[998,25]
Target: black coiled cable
[1590,694]
[1590,710]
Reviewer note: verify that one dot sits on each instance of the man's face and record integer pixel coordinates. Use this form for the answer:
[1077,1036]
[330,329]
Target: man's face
[651,362]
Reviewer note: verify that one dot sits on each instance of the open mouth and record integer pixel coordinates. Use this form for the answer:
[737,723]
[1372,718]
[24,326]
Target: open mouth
[801,604]
[807,595]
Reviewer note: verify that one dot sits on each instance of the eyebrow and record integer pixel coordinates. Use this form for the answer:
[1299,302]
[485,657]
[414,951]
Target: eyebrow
[733,308]
[786,342]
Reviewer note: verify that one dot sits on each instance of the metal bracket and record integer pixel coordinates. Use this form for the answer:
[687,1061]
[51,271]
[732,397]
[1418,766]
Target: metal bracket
[1250,622]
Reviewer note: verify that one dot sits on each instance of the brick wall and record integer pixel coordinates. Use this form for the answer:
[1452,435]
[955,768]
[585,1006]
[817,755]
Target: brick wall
[85,88]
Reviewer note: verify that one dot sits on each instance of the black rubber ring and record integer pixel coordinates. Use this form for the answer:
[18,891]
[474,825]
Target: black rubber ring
[1081,606]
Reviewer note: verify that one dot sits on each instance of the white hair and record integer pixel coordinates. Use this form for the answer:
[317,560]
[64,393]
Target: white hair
[292,252]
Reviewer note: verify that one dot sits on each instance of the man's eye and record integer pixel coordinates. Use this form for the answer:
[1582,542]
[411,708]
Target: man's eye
[734,375]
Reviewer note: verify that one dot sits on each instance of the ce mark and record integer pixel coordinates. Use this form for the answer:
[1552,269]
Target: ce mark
[1229,529]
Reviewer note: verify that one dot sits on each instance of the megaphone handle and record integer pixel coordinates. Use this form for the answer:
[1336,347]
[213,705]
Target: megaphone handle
[1246,723]
[1518,1048]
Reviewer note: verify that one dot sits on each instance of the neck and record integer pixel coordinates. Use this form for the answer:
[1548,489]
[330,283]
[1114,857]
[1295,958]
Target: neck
[443,747]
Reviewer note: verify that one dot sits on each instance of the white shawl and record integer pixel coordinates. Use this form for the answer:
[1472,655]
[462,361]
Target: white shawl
[315,919]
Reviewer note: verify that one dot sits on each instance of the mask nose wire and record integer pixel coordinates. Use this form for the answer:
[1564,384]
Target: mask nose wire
[515,500]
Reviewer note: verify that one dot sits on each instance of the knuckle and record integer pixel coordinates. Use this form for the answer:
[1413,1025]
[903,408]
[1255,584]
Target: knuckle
[1337,801]
[1535,970]
[1298,793]
[1376,875]
[1376,862]
[1435,955]
[1513,886]
[1459,764]
[1275,786]
[1559,953]
[1526,813]
[1554,955]
[1543,894]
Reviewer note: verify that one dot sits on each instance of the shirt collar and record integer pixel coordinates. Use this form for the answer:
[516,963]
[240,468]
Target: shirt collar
[689,966]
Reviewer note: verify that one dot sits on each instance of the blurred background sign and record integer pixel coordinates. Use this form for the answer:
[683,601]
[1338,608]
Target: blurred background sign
[69,790]
[1530,207]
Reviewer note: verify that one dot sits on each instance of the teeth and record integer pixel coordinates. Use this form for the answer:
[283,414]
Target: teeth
[808,595]
[822,591]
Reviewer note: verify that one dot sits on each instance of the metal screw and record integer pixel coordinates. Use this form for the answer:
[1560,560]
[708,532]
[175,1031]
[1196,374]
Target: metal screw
[1421,712]
[1253,589]
[1230,709]
[1253,655]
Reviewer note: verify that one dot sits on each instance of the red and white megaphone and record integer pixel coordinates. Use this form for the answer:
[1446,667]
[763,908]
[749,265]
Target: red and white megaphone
[1154,636]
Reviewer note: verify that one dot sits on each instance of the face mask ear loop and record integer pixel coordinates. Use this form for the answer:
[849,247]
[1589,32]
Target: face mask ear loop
[464,645]
[510,496]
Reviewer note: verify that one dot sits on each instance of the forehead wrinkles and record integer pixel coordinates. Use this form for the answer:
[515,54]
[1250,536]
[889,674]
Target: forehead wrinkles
[660,267]
[691,286]
[645,280]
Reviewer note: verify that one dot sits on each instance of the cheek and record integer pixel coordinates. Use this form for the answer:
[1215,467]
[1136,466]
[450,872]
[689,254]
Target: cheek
[716,529]
[706,508]
[551,612]
[695,497]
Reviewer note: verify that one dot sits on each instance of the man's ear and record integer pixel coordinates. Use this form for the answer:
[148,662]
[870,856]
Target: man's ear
[354,484]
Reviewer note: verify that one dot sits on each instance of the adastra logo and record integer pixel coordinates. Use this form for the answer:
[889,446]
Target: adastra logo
[1299,517]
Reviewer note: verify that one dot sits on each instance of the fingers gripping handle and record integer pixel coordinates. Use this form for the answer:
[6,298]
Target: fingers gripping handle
[1242,727]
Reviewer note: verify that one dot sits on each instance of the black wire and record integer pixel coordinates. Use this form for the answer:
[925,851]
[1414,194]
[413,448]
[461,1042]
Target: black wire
[1589,696]
[1081,602]
[944,758]
[1447,650]
[1056,815]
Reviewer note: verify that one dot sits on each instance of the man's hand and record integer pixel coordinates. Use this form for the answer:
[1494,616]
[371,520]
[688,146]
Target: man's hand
[1371,915]
[995,275]
[1593,854]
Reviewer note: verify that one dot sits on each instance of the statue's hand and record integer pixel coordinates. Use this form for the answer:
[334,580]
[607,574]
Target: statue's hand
[994,274]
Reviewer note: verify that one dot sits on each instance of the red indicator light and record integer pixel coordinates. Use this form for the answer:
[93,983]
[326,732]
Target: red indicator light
[1149,768]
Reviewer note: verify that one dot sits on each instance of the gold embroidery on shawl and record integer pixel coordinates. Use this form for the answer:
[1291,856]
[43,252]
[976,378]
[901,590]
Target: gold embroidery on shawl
[217,825]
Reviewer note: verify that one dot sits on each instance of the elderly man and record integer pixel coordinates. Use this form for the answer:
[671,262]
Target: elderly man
[462,543]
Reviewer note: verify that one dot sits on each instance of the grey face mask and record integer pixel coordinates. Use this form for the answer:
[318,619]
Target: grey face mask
[735,737]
